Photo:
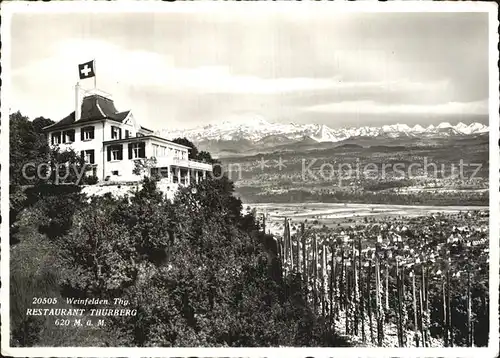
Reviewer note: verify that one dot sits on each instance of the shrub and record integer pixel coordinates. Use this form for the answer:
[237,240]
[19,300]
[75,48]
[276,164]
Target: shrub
[91,180]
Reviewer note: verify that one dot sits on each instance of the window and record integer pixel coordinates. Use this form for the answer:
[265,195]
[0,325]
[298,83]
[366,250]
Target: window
[115,155]
[127,133]
[116,132]
[115,152]
[88,156]
[56,138]
[87,133]
[137,150]
[114,172]
[156,151]
[163,172]
[68,136]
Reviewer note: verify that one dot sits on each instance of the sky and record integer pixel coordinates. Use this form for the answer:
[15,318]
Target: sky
[182,70]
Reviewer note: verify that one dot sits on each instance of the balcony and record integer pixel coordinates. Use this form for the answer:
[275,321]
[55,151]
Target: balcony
[183,163]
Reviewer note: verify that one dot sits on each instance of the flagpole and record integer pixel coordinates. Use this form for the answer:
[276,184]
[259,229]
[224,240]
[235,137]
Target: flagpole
[95,75]
[77,101]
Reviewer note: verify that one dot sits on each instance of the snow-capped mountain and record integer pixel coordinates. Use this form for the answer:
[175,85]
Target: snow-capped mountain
[256,128]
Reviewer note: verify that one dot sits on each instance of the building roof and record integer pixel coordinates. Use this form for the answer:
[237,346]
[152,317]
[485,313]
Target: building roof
[94,107]
[147,129]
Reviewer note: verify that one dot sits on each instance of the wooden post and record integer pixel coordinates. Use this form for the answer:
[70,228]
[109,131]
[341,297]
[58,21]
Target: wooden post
[448,305]
[331,291]
[421,314]
[379,311]
[386,293]
[304,257]
[472,334]
[348,297]
[285,245]
[445,311]
[280,249]
[361,292]
[298,264]
[369,302]
[296,251]
[399,306]
[398,317]
[425,308]
[279,244]
[324,277]
[341,280]
[355,289]
[290,246]
[469,312]
[315,273]
[415,312]
[330,288]
[404,308]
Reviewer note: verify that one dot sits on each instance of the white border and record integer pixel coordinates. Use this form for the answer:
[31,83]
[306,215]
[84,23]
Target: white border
[7,10]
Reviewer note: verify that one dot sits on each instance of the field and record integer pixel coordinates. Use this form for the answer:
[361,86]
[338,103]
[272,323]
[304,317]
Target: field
[333,214]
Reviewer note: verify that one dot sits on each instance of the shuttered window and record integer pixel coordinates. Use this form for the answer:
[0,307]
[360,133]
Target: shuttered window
[88,156]
[115,152]
[56,138]
[116,132]
[137,150]
[87,133]
[68,136]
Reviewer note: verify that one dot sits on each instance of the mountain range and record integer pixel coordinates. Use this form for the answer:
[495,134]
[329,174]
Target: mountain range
[259,129]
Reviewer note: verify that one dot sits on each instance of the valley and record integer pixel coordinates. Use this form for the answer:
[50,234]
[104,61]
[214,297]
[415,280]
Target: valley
[333,215]
[410,173]
[441,164]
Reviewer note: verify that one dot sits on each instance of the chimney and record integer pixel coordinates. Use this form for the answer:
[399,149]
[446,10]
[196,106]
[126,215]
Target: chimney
[77,101]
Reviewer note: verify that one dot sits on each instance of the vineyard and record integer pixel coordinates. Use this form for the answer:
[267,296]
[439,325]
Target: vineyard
[420,282]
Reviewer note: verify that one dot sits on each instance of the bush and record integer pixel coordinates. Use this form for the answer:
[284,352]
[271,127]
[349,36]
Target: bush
[91,180]
[196,269]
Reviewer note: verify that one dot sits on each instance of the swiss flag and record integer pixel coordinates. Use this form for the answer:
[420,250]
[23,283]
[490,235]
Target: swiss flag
[86,70]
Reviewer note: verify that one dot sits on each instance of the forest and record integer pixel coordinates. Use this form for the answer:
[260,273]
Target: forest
[198,269]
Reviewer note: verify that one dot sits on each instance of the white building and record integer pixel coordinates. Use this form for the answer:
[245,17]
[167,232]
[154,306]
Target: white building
[112,141]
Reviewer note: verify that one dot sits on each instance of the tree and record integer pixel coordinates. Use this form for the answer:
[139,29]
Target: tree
[206,157]
[66,167]
[193,152]
[40,122]
[144,166]
[194,269]
[26,146]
